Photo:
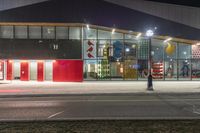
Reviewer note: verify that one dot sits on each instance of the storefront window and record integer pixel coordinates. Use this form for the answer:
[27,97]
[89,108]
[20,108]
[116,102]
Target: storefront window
[196,69]
[142,67]
[35,32]
[143,49]
[103,70]
[117,35]
[89,33]
[184,69]
[130,47]
[104,49]
[21,32]
[157,59]
[170,69]
[130,69]
[104,34]
[170,49]
[6,32]
[184,51]
[49,32]
[116,70]
[75,33]
[90,69]
[61,32]
[89,49]
[129,36]
[170,61]
[116,51]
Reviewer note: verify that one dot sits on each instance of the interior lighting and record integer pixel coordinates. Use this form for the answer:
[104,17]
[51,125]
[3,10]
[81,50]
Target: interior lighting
[113,31]
[167,40]
[127,49]
[88,27]
[198,44]
[138,35]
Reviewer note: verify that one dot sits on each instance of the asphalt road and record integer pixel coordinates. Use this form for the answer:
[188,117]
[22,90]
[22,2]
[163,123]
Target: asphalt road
[115,106]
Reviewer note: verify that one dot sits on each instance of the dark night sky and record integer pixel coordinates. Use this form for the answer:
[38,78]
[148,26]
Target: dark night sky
[194,3]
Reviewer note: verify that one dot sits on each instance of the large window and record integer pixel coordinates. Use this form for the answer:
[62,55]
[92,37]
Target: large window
[157,59]
[130,47]
[130,70]
[184,51]
[184,69]
[170,69]
[75,33]
[61,32]
[196,69]
[21,32]
[49,32]
[104,34]
[6,32]
[89,33]
[116,50]
[35,32]
[90,69]
[117,35]
[116,70]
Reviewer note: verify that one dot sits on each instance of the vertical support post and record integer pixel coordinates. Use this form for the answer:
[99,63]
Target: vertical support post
[150,78]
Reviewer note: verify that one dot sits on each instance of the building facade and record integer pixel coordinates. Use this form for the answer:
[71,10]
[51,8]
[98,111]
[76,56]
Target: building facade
[74,52]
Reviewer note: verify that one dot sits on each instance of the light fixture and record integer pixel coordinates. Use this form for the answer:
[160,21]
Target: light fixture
[127,49]
[88,27]
[113,31]
[198,44]
[167,40]
[149,33]
[138,35]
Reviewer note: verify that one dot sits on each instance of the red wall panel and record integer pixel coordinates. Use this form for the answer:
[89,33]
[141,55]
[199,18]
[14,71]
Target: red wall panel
[68,70]
[9,68]
[24,71]
[40,71]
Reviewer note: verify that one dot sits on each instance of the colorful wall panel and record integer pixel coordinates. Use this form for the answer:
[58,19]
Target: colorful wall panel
[9,68]
[40,71]
[68,71]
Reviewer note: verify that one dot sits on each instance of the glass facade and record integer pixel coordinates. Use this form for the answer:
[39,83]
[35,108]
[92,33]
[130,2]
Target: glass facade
[106,55]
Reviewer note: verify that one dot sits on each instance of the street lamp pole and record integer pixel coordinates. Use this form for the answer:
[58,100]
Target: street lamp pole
[149,34]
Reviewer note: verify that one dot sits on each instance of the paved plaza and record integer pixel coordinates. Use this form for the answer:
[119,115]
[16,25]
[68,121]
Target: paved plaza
[96,87]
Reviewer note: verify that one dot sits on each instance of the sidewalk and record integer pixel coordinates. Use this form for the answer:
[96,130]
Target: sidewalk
[95,87]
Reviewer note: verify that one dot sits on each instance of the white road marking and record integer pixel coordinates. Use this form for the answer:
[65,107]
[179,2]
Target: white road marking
[55,114]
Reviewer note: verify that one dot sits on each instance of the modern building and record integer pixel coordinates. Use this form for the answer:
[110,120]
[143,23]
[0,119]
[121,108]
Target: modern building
[40,42]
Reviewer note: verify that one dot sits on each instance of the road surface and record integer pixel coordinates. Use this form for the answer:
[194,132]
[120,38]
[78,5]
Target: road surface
[107,106]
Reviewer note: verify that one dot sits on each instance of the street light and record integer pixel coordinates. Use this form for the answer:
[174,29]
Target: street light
[149,34]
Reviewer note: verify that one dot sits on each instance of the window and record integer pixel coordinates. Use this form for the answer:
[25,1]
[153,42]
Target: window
[104,34]
[117,35]
[74,33]
[89,33]
[35,32]
[21,32]
[61,32]
[6,31]
[48,32]
[184,51]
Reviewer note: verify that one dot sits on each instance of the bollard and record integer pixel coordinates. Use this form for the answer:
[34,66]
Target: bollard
[150,83]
